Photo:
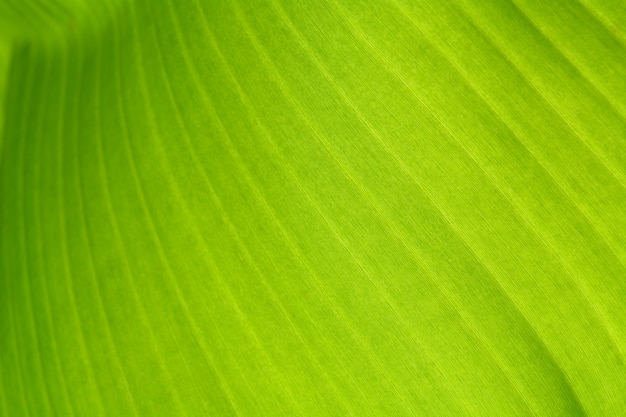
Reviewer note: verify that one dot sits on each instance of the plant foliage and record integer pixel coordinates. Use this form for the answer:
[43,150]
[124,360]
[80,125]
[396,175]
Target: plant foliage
[316,208]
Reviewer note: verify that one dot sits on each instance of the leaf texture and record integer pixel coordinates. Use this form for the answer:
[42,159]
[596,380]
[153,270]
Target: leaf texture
[316,208]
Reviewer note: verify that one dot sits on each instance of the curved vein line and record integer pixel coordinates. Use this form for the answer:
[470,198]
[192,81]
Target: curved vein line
[87,236]
[23,245]
[120,247]
[63,241]
[120,241]
[37,193]
[18,365]
[10,280]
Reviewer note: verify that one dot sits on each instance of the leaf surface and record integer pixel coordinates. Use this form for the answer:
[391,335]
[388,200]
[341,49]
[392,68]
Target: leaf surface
[275,208]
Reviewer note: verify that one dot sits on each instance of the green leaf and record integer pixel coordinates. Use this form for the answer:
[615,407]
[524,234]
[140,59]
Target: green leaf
[316,208]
